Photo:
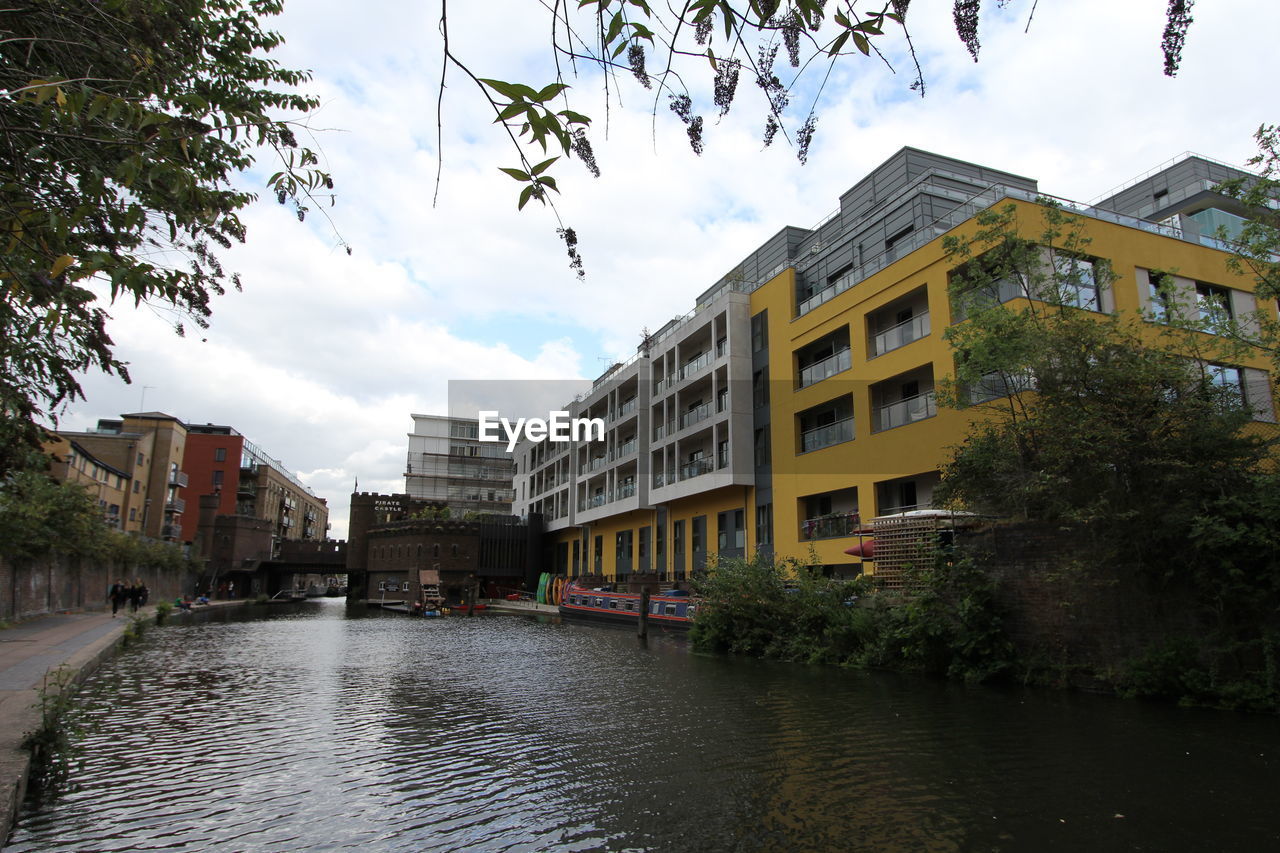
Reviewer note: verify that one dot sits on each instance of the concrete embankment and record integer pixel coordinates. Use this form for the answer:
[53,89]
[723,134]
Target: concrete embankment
[48,656]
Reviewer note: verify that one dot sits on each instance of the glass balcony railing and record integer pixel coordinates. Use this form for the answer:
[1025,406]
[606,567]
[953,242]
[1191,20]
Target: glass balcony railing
[906,411]
[660,479]
[829,526]
[693,416]
[664,430]
[624,450]
[626,490]
[826,435]
[696,468]
[625,409]
[693,366]
[829,366]
[901,334]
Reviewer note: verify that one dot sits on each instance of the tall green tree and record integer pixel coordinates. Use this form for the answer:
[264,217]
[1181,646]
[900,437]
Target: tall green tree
[123,124]
[1086,417]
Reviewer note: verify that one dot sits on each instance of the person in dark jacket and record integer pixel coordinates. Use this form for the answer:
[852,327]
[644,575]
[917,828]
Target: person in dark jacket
[116,595]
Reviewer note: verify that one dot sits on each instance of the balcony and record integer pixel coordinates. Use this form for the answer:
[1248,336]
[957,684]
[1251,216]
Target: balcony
[247,489]
[660,479]
[826,435]
[593,465]
[592,502]
[829,526]
[901,334]
[694,415]
[906,411]
[624,450]
[176,505]
[664,430]
[625,409]
[178,478]
[170,531]
[696,468]
[829,366]
[626,490]
[696,364]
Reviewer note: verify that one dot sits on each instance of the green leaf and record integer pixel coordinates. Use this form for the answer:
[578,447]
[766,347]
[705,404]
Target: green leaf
[515,173]
[542,167]
[525,195]
[512,110]
[615,27]
[860,41]
[550,92]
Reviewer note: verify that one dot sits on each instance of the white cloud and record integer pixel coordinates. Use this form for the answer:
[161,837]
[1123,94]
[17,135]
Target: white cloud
[324,356]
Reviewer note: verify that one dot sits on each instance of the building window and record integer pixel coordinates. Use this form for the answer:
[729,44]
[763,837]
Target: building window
[732,534]
[760,331]
[217,479]
[764,525]
[759,389]
[1160,297]
[220,454]
[1077,282]
[599,554]
[133,514]
[140,459]
[1214,305]
[1231,381]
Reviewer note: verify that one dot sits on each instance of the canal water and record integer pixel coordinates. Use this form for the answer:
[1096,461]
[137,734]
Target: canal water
[328,728]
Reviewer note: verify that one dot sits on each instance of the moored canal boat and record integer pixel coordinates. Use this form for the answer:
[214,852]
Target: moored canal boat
[671,609]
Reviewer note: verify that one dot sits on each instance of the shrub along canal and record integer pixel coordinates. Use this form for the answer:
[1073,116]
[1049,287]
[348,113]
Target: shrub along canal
[328,728]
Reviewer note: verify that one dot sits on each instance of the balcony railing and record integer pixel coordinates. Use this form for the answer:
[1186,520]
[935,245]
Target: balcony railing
[664,430]
[178,478]
[826,435]
[626,490]
[660,479]
[693,366]
[829,366]
[906,411]
[722,457]
[826,527]
[592,502]
[177,505]
[625,409]
[624,450]
[693,416]
[901,334]
[721,346]
[592,465]
[829,526]
[696,468]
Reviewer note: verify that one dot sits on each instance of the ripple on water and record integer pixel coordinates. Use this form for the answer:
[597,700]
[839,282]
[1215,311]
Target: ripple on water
[324,730]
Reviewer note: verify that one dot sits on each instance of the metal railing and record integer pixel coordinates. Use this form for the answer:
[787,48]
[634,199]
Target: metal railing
[696,468]
[624,450]
[906,411]
[693,366]
[829,366]
[827,435]
[694,415]
[901,334]
[828,526]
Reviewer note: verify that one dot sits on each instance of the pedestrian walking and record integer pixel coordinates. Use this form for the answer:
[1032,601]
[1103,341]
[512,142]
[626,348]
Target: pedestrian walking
[116,595]
[144,594]
[135,595]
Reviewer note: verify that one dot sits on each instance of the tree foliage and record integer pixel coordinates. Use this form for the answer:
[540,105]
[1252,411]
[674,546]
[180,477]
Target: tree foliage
[124,125]
[1086,417]
[664,50]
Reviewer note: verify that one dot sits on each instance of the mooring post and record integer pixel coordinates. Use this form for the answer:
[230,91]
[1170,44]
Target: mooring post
[642,626]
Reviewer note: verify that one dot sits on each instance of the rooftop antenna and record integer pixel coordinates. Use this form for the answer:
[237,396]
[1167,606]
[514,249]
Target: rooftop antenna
[142,403]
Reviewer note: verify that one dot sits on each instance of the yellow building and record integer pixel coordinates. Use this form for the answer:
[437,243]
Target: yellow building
[796,402]
[107,485]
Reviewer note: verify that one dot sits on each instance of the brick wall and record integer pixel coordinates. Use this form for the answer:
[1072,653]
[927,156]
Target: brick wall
[1068,607]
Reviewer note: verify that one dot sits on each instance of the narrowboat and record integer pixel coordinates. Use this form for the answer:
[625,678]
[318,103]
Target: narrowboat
[671,609]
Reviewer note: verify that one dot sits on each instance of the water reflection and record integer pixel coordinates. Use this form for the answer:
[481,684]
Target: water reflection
[329,729]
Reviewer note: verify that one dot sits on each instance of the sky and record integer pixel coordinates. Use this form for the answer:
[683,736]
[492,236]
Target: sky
[324,355]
